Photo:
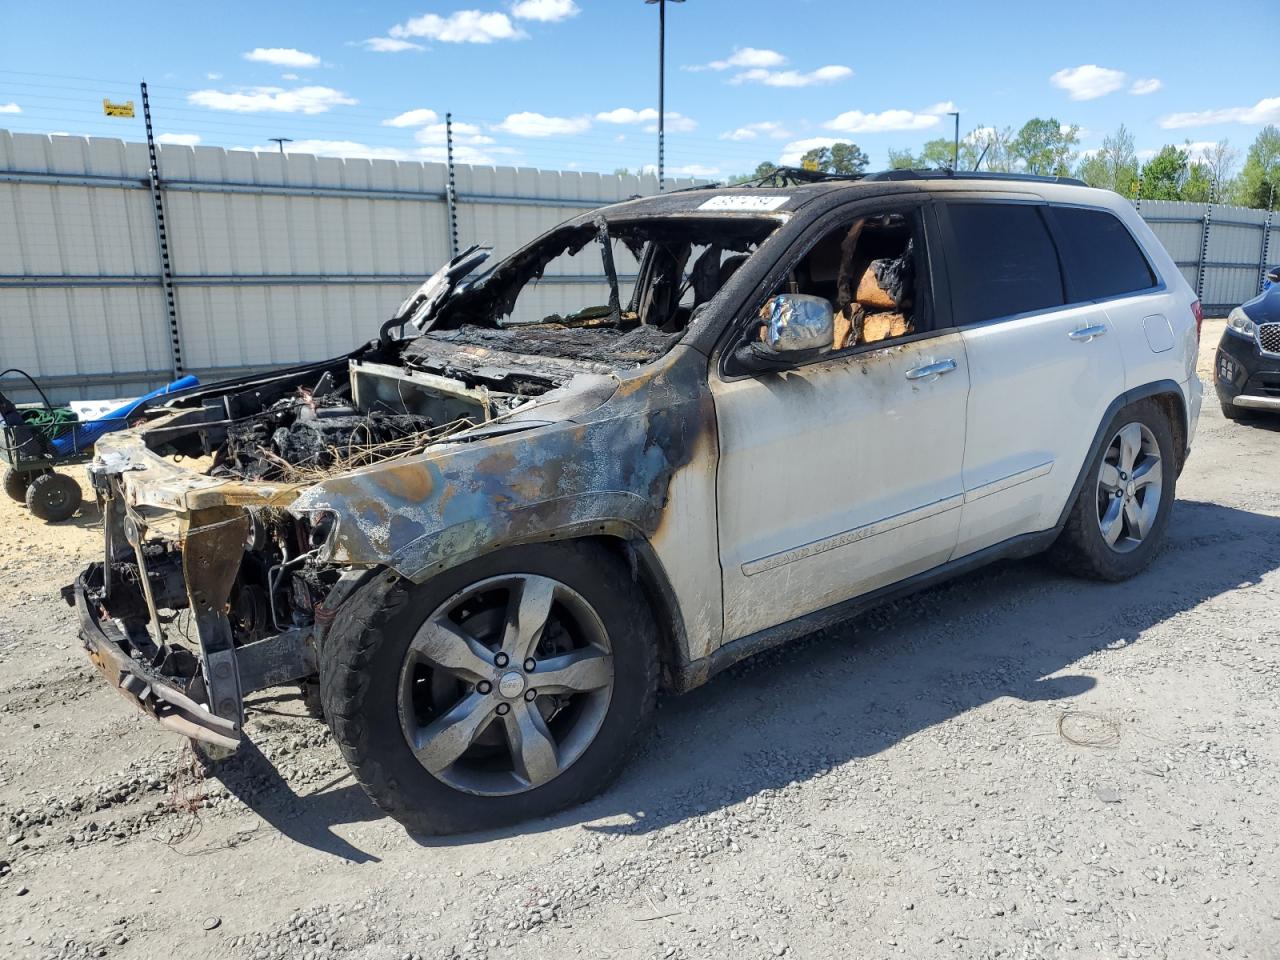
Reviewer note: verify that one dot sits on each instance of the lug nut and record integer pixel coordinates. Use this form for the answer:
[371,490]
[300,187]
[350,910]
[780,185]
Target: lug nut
[503,708]
[501,660]
[1123,476]
[529,665]
[531,695]
[484,686]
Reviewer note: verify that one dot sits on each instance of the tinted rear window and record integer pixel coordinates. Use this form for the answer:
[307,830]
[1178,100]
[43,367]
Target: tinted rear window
[1003,261]
[1099,255]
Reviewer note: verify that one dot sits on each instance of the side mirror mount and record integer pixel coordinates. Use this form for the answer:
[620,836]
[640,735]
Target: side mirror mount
[794,327]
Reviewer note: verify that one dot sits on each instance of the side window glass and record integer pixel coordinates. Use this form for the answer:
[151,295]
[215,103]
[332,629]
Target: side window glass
[1003,261]
[874,272]
[1099,254]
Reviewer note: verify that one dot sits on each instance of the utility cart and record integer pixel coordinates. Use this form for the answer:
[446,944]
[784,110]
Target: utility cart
[39,438]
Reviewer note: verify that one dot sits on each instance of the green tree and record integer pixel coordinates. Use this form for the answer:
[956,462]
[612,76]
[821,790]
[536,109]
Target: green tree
[1164,175]
[1114,166]
[843,158]
[1219,160]
[901,159]
[1199,186]
[990,146]
[1046,147]
[938,154]
[1260,178]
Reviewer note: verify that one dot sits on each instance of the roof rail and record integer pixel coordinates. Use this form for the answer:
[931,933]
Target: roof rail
[795,176]
[945,174]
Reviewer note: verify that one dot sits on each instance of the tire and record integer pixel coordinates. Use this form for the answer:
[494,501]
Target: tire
[378,690]
[1082,549]
[16,483]
[1231,411]
[53,497]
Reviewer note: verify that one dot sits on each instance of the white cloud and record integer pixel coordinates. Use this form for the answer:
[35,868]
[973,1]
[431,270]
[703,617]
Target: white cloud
[693,170]
[464,26]
[468,134]
[389,45]
[855,121]
[412,118]
[529,124]
[288,76]
[1200,149]
[628,115]
[792,78]
[1145,154]
[213,76]
[674,123]
[1266,110]
[1144,85]
[545,11]
[283,57]
[1089,81]
[745,58]
[793,151]
[10,108]
[753,131]
[273,100]
[941,107]
[179,139]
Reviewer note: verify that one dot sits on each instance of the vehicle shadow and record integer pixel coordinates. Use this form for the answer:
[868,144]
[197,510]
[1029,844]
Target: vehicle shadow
[855,690]
[307,820]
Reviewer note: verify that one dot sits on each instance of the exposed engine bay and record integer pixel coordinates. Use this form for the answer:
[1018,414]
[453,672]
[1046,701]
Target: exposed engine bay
[206,542]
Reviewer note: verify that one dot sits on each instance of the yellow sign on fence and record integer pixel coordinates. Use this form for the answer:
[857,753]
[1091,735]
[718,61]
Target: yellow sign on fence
[117,109]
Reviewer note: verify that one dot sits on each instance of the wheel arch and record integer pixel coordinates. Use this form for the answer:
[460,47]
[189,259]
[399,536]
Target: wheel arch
[1168,396]
[629,544]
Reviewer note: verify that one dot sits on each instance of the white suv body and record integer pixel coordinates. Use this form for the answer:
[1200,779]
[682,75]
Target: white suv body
[816,396]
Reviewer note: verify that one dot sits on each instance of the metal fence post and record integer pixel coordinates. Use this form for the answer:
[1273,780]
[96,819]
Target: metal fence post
[450,190]
[162,241]
[1266,246]
[1204,246]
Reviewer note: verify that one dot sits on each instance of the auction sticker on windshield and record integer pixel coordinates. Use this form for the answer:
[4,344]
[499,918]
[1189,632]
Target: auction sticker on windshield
[753,204]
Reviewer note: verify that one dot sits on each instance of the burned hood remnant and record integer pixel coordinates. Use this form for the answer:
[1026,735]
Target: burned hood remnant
[527,402]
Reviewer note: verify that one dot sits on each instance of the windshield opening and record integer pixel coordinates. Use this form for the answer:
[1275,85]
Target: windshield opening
[619,292]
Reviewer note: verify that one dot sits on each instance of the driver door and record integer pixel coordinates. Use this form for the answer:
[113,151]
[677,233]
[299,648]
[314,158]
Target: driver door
[843,474]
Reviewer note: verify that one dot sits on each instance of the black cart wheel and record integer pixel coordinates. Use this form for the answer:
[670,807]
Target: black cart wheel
[53,497]
[16,483]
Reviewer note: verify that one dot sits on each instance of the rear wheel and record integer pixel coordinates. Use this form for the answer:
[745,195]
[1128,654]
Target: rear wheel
[53,497]
[1118,520]
[504,689]
[1231,411]
[16,483]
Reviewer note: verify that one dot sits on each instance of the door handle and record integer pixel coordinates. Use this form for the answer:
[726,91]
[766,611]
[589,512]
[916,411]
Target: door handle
[1085,334]
[931,371]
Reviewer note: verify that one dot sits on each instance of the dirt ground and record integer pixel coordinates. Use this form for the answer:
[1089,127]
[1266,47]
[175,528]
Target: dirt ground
[1013,765]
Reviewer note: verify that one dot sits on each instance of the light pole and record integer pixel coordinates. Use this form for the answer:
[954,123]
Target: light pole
[282,141]
[662,64]
[955,152]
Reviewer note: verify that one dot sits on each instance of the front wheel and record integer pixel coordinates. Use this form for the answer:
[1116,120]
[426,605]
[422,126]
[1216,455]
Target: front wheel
[504,689]
[1118,520]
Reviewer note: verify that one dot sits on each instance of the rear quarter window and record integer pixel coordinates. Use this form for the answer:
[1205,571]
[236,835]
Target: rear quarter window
[1099,255]
[1003,261]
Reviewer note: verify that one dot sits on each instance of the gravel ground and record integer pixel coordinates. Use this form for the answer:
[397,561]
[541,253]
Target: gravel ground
[1013,765]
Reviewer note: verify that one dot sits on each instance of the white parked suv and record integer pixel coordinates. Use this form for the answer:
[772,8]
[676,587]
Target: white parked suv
[487,538]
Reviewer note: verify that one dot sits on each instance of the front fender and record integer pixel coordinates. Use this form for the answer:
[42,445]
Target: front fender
[607,473]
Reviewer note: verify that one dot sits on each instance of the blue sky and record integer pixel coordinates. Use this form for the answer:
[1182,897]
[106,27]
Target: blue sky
[571,84]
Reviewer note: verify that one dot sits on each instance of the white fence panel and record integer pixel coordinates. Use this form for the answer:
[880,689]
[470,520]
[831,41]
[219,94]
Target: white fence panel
[281,259]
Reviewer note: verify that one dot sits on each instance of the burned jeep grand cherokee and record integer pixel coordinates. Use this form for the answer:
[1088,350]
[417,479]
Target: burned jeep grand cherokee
[489,535]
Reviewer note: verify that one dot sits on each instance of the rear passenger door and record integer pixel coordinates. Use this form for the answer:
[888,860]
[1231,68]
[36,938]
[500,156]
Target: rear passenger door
[1042,372]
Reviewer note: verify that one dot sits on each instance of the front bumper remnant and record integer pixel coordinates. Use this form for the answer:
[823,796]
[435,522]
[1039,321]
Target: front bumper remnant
[144,687]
